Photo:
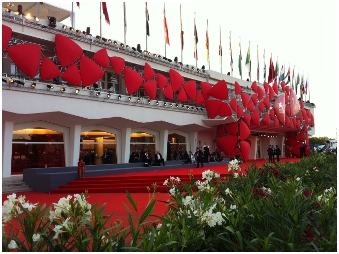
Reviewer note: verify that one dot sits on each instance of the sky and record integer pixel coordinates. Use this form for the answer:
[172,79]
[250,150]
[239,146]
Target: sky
[300,34]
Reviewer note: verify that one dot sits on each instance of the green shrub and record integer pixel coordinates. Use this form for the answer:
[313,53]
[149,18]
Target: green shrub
[278,207]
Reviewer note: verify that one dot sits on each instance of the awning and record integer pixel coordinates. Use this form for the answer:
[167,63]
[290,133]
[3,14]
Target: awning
[46,9]
[215,122]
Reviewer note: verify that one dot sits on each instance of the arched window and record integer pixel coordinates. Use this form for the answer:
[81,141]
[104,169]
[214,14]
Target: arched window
[142,142]
[37,148]
[178,143]
[93,144]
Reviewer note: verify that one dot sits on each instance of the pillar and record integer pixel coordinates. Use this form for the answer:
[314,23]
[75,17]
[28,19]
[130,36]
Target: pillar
[125,144]
[193,140]
[7,136]
[163,143]
[74,145]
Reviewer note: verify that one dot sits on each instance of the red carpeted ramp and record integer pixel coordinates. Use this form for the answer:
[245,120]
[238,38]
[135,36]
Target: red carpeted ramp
[138,182]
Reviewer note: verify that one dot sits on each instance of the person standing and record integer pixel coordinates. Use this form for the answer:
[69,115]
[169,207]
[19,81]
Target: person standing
[199,157]
[270,154]
[206,152]
[169,150]
[81,168]
[277,152]
[106,157]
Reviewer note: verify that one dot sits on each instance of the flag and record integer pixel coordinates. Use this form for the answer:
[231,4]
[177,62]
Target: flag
[306,85]
[271,73]
[125,21]
[239,61]
[297,83]
[264,67]
[166,28]
[147,20]
[282,73]
[207,45]
[276,69]
[288,76]
[293,79]
[231,62]
[302,91]
[220,47]
[258,70]
[195,41]
[182,32]
[248,61]
[78,4]
[105,12]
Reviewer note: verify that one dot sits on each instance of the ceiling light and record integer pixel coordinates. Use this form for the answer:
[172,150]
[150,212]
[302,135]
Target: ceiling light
[77,91]
[149,101]
[72,29]
[62,89]
[129,98]
[97,94]
[157,103]
[64,27]
[165,104]
[138,99]
[49,87]
[33,85]
[119,97]
[108,95]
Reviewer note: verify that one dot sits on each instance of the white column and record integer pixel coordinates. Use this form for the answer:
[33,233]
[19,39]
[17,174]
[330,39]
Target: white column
[193,139]
[163,143]
[74,145]
[7,136]
[125,144]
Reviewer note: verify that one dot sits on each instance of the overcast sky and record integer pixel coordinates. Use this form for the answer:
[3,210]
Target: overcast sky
[303,34]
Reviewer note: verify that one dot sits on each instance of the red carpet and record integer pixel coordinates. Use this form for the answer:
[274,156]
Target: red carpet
[114,201]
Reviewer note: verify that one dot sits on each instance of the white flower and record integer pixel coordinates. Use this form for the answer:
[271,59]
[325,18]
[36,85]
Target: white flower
[235,175]
[21,199]
[319,198]
[36,237]
[89,206]
[228,191]
[12,245]
[12,198]
[233,207]
[298,179]
[28,206]
[177,179]
[187,200]
[166,182]
[172,191]
[159,226]
[57,230]
[65,224]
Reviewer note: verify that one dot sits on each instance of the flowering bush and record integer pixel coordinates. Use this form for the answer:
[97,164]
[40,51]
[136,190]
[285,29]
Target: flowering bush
[281,207]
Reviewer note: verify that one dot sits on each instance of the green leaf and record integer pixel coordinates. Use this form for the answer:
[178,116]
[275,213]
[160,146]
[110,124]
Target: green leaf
[149,209]
[132,201]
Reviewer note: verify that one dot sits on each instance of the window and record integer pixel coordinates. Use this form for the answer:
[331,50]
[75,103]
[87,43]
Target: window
[37,148]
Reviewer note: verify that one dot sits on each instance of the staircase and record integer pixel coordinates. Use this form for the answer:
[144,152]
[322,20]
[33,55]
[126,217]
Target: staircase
[14,185]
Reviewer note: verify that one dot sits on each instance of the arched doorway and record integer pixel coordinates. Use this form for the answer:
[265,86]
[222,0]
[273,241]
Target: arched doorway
[93,144]
[141,142]
[37,148]
[178,146]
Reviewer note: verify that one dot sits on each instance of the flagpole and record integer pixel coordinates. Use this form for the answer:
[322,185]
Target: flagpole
[220,51]
[258,63]
[146,10]
[231,62]
[309,92]
[208,49]
[125,24]
[100,21]
[249,47]
[265,73]
[195,41]
[240,57]
[181,35]
[72,16]
[164,29]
